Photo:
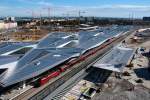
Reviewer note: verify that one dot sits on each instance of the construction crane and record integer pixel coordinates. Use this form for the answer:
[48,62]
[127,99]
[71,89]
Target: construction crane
[48,11]
[40,15]
[79,13]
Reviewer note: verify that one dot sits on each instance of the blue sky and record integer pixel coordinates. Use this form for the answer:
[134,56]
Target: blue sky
[101,8]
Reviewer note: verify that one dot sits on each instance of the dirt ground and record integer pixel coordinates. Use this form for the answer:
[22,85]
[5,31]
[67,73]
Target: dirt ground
[123,90]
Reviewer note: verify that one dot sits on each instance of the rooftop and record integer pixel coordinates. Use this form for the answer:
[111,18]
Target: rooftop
[116,59]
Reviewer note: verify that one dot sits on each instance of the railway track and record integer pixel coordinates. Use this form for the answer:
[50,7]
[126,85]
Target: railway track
[100,76]
[25,94]
[67,88]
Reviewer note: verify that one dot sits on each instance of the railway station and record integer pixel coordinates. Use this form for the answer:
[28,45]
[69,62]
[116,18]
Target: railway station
[74,50]
[64,66]
[53,55]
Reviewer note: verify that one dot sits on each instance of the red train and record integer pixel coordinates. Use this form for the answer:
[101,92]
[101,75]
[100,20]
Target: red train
[58,70]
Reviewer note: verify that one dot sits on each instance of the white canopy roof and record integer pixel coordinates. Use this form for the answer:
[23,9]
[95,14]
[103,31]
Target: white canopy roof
[116,59]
